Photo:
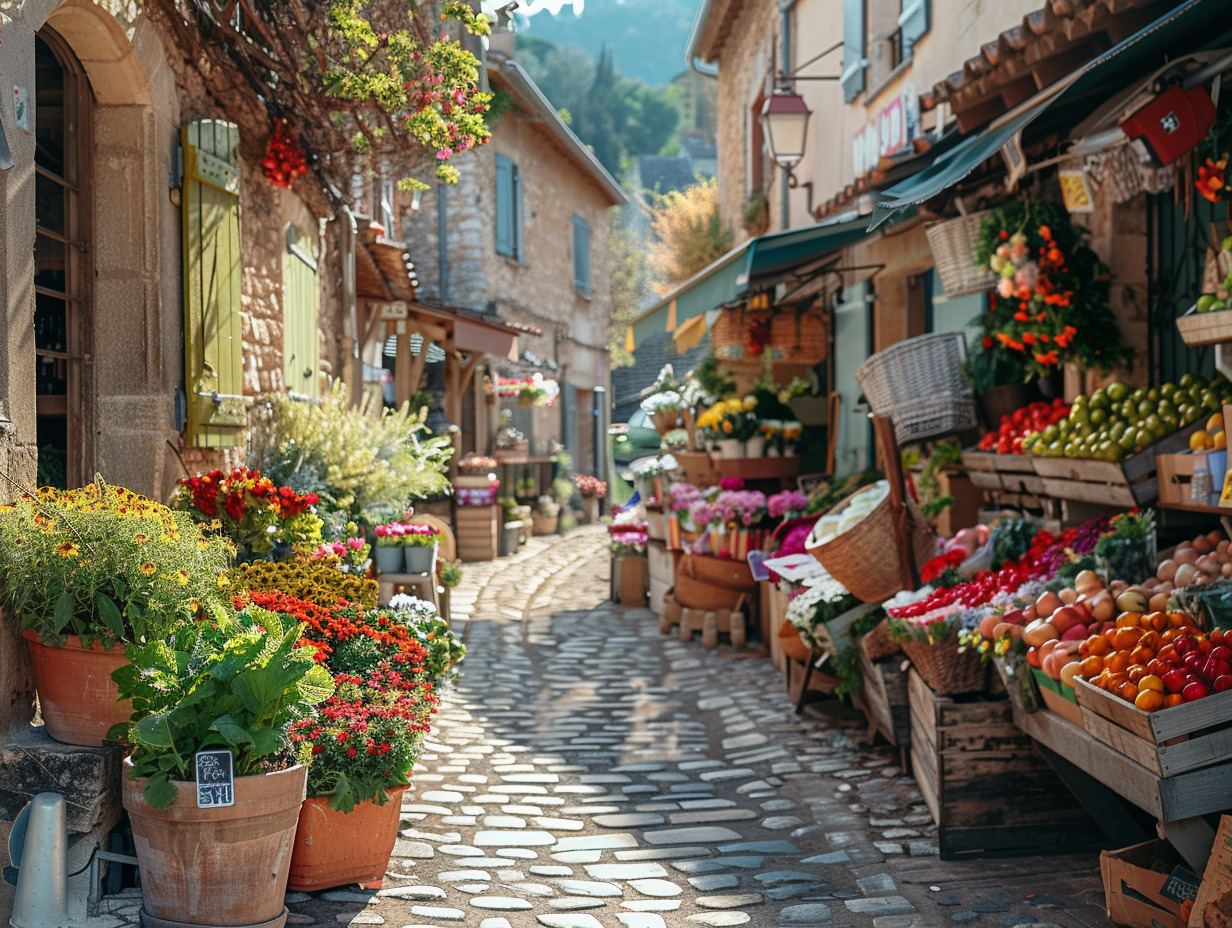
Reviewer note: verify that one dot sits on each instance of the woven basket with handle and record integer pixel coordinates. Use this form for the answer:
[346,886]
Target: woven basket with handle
[865,558]
[954,243]
[946,670]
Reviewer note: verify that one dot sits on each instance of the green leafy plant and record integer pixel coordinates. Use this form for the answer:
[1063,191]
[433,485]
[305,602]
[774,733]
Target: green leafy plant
[106,564]
[945,454]
[234,682]
[451,573]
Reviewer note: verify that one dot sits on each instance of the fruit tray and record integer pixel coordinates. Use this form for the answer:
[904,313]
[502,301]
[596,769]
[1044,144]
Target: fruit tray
[1167,742]
[1205,328]
[1132,482]
[1014,473]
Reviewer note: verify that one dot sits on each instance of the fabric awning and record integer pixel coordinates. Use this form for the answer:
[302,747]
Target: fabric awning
[746,267]
[1188,21]
[689,334]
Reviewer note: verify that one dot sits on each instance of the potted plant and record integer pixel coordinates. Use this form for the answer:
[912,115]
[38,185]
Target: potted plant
[84,572]
[664,409]
[390,540]
[592,489]
[233,683]
[628,543]
[451,573]
[547,511]
[420,543]
[350,556]
[732,422]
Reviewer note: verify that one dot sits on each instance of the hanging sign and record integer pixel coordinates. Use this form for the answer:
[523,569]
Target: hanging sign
[892,130]
[215,779]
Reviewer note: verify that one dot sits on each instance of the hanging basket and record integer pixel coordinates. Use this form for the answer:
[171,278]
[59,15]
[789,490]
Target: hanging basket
[919,384]
[954,243]
[946,670]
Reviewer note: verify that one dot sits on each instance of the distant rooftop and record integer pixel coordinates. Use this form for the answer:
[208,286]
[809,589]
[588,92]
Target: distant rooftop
[665,173]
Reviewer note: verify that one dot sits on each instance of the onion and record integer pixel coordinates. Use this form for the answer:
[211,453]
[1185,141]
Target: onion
[1184,574]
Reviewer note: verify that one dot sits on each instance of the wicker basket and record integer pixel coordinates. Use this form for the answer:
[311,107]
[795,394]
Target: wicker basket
[792,644]
[878,643]
[729,334]
[865,558]
[947,671]
[954,243]
[798,337]
[1205,328]
[919,383]
[701,594]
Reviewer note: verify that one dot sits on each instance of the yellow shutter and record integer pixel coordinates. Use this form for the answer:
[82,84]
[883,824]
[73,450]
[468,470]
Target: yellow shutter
[213,326]
[301,297]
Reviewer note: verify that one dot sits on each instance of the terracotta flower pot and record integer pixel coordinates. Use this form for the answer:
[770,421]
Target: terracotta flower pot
[217,867]
[77,697]
[545,525]
[335,848]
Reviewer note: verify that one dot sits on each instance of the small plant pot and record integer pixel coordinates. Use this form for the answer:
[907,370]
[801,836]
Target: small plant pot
[77,697]
[217,867]
[665,420]
[731,448]
[390,560]
[755,447]
[419,559]
[545,525]
[590,510]
[335,848]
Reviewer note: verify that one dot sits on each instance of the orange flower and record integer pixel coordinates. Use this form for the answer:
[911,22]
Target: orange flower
[1045,232]
[1021,316]
[1049,358]
[1043,337]
[1211,178]
[1028,338]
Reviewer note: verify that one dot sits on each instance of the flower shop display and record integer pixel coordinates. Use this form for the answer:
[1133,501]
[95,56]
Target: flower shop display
[811,606]
[664,409]
[729,424]
[85,572]
[314,581]
[476,465]
[1050,306]
[628,544]
[790,504]
[589,487]
[391,540]
[648,477]
[530,392]
[420,543]
[350,556]
[260,517]
[547,512]
[234,684]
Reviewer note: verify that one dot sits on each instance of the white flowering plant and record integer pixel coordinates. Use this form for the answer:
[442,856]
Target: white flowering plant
[822,600]
[664,401]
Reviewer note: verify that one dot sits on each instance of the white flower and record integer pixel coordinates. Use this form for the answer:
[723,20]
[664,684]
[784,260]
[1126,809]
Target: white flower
[414,606]
[666,401]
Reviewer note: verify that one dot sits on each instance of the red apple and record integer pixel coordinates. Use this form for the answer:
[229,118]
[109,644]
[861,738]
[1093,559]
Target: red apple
[1223,683]
[1015,617]
[1194,692]
[1033,658]
[1065,618]
[1075,633]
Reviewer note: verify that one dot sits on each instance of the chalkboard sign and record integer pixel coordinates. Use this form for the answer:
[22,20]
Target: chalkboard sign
[1180,885]
[215,779]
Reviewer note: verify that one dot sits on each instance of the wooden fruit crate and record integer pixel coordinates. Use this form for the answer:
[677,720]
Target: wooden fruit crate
[1009,473]
[1167,742]
[478,532]
[988,790]
[1205,328]
[885,698]
[1132,482]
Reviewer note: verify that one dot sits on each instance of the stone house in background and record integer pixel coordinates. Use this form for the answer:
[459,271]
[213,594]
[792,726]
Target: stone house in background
[523,238]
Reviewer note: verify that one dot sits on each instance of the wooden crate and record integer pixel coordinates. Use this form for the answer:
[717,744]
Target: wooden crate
[885,697]
[1205,328]
[656,523]
[478,532]
[1175,473]
[1170,741]
[1132,482]
[987,788]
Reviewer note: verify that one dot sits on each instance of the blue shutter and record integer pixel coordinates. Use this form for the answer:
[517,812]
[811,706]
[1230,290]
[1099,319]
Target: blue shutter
[517,213]
[913,22]
[581,254]
[853,49]
[504,206]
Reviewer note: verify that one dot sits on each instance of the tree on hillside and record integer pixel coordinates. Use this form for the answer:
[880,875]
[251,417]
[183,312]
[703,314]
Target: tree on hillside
[687,233]
[627,267]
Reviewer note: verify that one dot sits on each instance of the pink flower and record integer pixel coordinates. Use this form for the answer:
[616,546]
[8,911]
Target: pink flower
[356,544]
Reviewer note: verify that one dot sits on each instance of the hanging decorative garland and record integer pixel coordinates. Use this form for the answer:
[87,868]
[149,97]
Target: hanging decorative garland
[284,159]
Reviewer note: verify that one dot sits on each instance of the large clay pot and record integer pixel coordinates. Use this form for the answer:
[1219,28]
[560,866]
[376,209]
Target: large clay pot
[335,848]
[217,867]
[77,697]
[545,525]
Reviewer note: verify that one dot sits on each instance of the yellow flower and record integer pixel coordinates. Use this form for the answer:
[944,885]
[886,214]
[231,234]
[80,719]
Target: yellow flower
[749,403]
[68,549]
[223,581]
[182,577]
[141,538]
[148,568]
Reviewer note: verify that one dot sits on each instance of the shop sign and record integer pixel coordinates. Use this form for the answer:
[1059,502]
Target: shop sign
[392,311]
[891,131]
[215,779]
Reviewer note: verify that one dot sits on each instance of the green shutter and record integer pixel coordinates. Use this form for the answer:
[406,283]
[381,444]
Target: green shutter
[301,303]
[517,214]
[213,326]
[581,254]
[914,22]
[504,206]
[853,49]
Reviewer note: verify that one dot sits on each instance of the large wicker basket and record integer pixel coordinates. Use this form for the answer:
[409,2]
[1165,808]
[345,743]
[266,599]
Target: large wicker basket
[919,384]
[947,670]
[878,643]
[954,243]
[865,557]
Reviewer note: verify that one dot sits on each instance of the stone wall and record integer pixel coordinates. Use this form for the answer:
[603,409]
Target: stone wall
[745,66]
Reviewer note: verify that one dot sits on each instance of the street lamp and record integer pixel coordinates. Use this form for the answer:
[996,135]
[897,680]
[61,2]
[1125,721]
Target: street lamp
[784,122]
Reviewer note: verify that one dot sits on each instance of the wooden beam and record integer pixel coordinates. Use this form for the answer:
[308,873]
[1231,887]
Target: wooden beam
[469,370]
[409,370]
[892,464]
[453,399]
[374,319]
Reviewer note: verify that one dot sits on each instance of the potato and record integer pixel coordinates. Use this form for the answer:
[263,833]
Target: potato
[1215,537]
[1159,602]
[1185,555]
[1167,569]
[1202,546]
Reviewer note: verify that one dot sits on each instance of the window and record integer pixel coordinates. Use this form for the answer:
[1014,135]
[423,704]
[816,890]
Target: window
[878,37]
[581,255]
[508,209]
[386,213]
[854,61]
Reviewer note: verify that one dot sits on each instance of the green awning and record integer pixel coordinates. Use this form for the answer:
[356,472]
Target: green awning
[1188,21]
[732,275]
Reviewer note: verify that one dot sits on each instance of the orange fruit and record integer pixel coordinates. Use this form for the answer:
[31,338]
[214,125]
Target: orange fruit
[1172,700]
[1217,636]
[1097,645]
[1117,662]
[1126,639]
[1092,666]
[1128,691]
[1167,654]
[1142,655]
[1136,672]
[1115,681]
[1151,639]
[1159,621]
[1128,620]
[1180,620]
[1151,682]
[1149,700]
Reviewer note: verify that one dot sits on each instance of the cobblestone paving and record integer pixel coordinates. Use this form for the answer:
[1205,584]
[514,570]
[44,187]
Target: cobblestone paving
[588,772]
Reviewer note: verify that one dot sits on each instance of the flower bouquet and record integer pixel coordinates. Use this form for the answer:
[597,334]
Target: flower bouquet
[261,518]
[809,609]
[350,556]
[730,423]
[664,409]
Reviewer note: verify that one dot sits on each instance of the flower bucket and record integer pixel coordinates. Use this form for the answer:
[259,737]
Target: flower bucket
[731,449]
[419,558]
[664,420]
[335,848]
[755,447]
[390,560]
[218,867]
[77,697]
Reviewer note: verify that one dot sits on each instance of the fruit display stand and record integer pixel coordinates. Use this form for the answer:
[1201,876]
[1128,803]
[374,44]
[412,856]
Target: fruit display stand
[1012,473]
[1198,329]
[988,790]
[884,692]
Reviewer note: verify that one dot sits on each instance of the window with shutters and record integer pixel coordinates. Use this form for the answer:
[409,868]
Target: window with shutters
[301,296]
[854,61]
[893,28]
[213,327]
[508,209]
[581,255]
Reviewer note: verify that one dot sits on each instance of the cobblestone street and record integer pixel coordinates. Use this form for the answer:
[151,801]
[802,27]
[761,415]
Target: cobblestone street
[588,771]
